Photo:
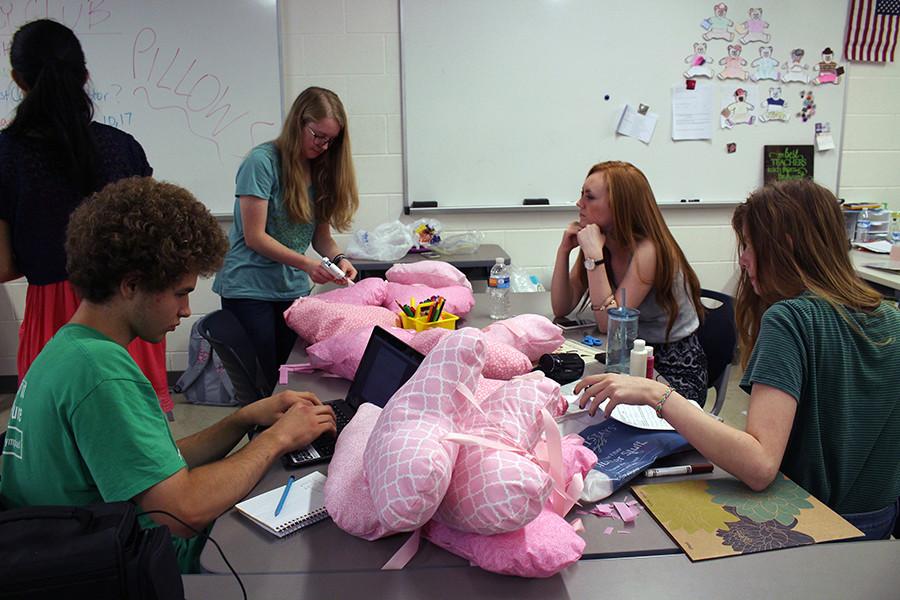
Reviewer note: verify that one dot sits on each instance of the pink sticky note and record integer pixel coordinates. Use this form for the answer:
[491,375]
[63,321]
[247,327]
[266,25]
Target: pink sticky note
[608,530]
[626,512]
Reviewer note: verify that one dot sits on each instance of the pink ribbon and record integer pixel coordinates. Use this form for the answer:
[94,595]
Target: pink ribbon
[283,371]
[405,554]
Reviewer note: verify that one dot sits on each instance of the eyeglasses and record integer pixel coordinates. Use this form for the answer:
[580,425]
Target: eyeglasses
[319,139]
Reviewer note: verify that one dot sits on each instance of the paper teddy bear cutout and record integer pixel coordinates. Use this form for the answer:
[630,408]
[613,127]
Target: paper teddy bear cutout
[795,69]
[718,26]
[828,70]
[734,64]
[738,112]
[774,108]
[700,63]
[754,29]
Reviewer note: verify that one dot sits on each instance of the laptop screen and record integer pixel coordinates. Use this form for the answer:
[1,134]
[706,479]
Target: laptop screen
[385,366]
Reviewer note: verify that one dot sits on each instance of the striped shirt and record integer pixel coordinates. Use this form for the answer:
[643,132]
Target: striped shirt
[844,447]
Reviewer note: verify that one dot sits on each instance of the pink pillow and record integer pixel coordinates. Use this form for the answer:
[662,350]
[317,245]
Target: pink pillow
[340,354]
[315,320]
[485,388]
[494,491]
[408,462]
[347,495]
[542,548]
[533,335]
[434,273]
[368,292]
[501,361]
[459,298]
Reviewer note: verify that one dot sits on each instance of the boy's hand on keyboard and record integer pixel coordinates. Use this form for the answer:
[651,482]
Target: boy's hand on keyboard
[302,423]
[268,410]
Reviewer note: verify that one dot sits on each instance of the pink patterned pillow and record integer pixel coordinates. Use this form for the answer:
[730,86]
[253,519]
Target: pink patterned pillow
[485,388]
[315,320]
[542,548]
[501,361]
[459,298]
[495,491]
[533,335]
[409,464]
[367,292]
[434,273]
[347,495]
[340,354]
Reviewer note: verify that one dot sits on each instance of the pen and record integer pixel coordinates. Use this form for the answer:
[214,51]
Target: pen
[284,495]
[684,470]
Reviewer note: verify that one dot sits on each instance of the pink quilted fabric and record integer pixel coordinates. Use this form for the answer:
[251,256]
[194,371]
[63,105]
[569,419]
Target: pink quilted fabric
[347,496]
[340,354]
[501,361]
[542,548]
[366,292]
[494,491]
[434,273]
[533,335]
[459,298]
[315,320]
[408,463]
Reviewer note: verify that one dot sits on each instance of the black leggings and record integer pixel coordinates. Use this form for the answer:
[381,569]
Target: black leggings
[263,320]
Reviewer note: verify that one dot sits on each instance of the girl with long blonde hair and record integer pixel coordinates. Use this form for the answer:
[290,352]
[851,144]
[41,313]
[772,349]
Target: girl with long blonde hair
[290,193]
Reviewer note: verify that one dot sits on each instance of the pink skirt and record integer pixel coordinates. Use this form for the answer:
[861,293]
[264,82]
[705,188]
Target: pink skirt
[49,307]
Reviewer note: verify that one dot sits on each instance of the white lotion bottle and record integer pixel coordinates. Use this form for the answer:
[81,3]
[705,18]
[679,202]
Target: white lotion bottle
[638,363]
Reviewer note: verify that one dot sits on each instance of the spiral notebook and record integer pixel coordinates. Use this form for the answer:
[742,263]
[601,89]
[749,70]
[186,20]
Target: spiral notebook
[304,506]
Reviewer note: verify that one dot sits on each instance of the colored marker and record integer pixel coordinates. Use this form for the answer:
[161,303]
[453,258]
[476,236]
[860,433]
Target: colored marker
[682,470]
[284,495]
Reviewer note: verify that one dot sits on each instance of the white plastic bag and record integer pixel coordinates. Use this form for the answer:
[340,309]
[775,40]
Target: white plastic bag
[388,241]
[461,243]
[520,281]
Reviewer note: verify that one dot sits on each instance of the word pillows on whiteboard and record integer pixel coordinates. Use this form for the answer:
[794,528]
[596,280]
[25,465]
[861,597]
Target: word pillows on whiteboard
[409,463]
[315,320]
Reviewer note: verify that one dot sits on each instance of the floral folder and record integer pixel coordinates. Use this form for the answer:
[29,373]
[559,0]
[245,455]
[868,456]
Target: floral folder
[712,518]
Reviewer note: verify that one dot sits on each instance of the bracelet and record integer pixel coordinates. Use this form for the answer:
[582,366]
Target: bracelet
[338,258]
[659,405]
[609,302]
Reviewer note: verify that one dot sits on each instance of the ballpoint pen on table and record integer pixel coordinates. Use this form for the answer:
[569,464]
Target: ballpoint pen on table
[682,470]
[284,495]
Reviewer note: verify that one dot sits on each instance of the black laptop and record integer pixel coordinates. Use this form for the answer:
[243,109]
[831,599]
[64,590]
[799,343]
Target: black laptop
[385,366]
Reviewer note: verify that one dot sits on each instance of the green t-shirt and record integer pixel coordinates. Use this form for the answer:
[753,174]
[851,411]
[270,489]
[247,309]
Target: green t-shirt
[245,273]
[845,441]
[86,427]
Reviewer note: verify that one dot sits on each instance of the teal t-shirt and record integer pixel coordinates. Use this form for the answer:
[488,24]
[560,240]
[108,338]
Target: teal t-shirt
[247,274]
[845,441]
[86,427]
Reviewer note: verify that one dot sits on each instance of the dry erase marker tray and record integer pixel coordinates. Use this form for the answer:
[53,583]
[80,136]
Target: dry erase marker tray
[420,319]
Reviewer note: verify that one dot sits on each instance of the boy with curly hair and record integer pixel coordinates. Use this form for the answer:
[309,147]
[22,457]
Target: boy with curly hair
[86,426]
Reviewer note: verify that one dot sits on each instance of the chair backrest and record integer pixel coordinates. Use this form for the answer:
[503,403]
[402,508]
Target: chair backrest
[718,336]
[228,339]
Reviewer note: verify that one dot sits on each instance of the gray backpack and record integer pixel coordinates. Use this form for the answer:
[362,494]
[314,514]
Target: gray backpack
[205,380]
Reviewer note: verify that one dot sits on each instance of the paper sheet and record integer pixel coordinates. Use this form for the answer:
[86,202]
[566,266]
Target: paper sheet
[881,246]
[634,124]
[642,417]
[692,113]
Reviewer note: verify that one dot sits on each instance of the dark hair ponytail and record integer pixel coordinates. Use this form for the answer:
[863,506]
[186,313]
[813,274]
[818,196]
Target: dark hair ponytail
[56,111]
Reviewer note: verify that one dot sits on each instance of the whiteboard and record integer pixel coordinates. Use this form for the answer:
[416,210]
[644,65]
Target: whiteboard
[511,99]
[195,82]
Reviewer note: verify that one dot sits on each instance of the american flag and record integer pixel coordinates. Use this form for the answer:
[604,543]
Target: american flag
[872,30]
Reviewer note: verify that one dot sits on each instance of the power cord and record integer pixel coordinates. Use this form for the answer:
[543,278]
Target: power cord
[208,537]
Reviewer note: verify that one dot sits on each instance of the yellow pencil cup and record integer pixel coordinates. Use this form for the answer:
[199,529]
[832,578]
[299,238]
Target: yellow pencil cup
[420,321]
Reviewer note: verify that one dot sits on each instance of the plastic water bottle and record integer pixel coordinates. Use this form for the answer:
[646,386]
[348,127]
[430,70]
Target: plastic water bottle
[863,226]
[498,289]
[894,236]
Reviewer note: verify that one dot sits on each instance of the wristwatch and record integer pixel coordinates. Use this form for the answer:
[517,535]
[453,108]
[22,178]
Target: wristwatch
[590,263]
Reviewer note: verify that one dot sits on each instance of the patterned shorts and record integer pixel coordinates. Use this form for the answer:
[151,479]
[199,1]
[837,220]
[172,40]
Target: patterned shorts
[683,365]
